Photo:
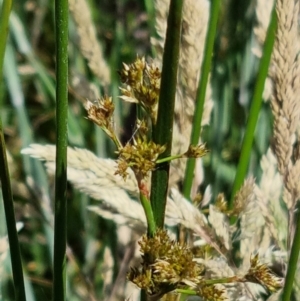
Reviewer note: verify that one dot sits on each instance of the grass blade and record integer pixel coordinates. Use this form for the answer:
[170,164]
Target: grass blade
[255,108]
[205,69]
[16,262]
[60,220]
[162,133]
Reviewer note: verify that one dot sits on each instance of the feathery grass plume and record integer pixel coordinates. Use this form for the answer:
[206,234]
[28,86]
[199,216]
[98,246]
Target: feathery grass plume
[194,28]
[193,219]
[284,103]
[88,43]
[253,234]
[251,220]
[269,193]
[263,13]
[96,177]
[221,225]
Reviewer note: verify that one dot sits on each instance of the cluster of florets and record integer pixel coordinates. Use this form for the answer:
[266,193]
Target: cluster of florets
[261,274]
[166,265]
[101,113]
[142,85]
[140,156]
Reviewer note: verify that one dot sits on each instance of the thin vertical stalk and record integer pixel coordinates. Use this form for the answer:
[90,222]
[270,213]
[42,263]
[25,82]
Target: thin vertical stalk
[149,214]
[293,262]
[11,223]
[201,92]
[162,132]
[255,107]
[16,262]
[60,220]
[4,19]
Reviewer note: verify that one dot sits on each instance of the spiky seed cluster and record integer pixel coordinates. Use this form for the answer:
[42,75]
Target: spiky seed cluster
[100,112]
[260,273]
[196,151]
[141,156]
[166,265]
[142,85]
[211,292]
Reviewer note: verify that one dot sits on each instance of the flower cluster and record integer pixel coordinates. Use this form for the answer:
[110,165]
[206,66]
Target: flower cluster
[141,156]
[142,85]
[101,113]
[211,292]
[166,265]
[196,151]
[261,274]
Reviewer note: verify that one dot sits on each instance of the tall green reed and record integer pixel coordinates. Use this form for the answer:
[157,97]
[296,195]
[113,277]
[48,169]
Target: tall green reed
[255,109]
[201,92]
[19,287]
[60,212]
[162,132]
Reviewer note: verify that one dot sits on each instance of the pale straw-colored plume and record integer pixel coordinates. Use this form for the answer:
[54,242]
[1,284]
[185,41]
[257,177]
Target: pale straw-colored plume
[221,226]
[88,43]
[193,219]
[263,10]
[194,28]
[119,199]
[285,103]
[269,193]
[96,177]
[119,202]
[251,220]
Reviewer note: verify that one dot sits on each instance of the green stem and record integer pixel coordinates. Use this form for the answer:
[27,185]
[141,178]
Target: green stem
[293,262]
[4,23]
[11,223]
[162,132]
[149,214]
[60,221]
[201,92]
[169,159]
[255,108]
[16,262]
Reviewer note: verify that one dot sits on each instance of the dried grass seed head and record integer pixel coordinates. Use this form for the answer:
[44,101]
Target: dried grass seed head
[90,47]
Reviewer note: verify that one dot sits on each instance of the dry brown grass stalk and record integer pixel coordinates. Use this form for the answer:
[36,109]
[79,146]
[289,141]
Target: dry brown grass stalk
[88,43]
